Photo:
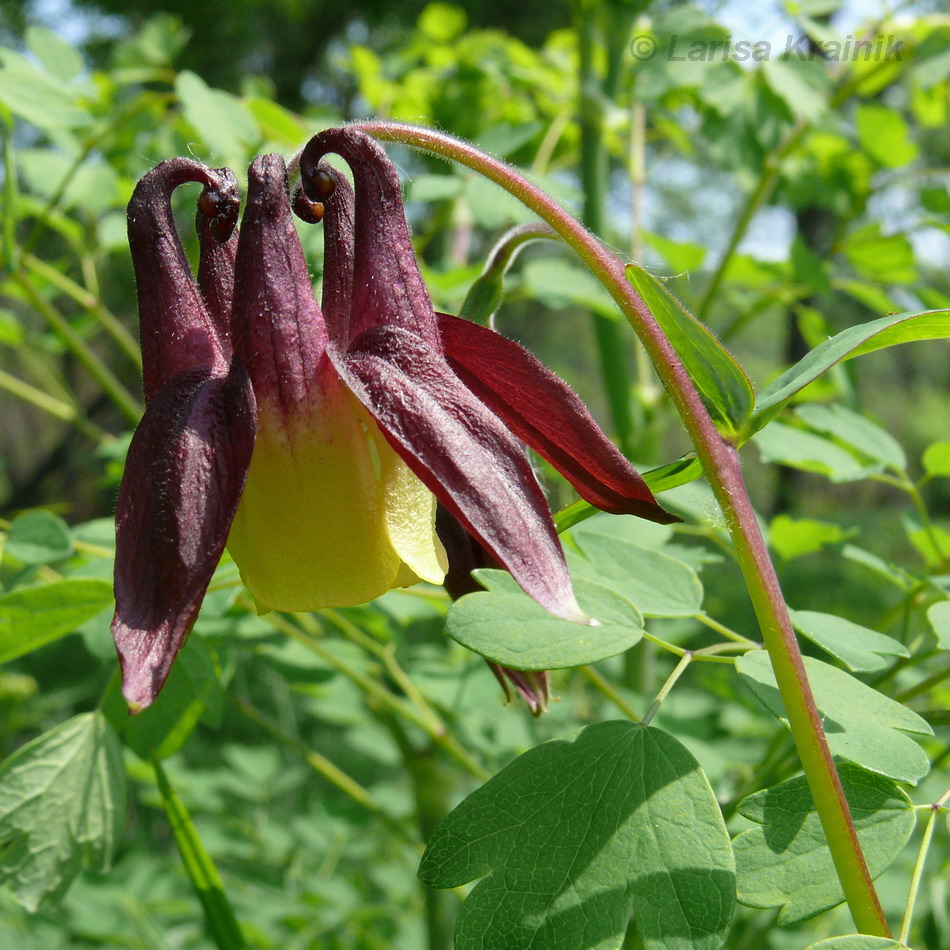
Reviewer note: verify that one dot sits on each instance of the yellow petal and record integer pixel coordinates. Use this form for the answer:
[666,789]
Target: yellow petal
[330,516]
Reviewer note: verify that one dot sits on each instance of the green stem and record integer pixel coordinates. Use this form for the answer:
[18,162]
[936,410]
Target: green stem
[923,686]
[720,464]
[604,686]
[101,373]
[430,791]
[611,347]
[919,868]
[80,295]
[708,621]
[219,916]
[10,194]
[440,736]
[678,671]
[319,763]
[387,657]
[52,405]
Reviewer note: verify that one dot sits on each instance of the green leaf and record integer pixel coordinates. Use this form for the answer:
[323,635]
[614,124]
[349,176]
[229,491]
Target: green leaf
[39,537]
[939,616]
[62,802]
[855,341]
[557,283]
[803,85]
[862,725]
[795,537]
[36,96]
[575,832]
[31,617]
[857,431]
[62,59]
[724,387]
[163,728]
[809,452]
[276,122]
[860,649]
[885,258]
[226,127]
[884,135]
[857,942]
[508,627]
[660,585]
[786,862]
[936,459]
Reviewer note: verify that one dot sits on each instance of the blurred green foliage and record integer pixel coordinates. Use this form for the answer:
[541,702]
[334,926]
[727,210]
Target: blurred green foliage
[782,202]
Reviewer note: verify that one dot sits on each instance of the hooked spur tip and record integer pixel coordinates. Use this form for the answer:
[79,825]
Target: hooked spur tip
[218,213]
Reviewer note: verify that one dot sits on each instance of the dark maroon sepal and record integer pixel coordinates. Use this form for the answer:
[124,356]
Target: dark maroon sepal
[183,480]
[544,412]
[216,224]
[463,454]
[177,331]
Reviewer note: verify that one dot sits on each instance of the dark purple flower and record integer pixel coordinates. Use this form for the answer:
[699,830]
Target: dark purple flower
[366,412]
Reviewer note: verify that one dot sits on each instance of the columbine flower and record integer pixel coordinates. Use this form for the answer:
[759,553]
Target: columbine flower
[364,411]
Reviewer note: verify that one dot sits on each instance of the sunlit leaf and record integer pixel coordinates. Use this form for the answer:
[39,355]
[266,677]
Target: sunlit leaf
[810,452]
[31,617]
[862,725]
[936,459]
[786,862]
[575,834]
[508,627]
[855,341]
[939,616]
[856,431]
[860,649]
[38,537]
[795,537]
[62,804]
[660,585]
[724,387]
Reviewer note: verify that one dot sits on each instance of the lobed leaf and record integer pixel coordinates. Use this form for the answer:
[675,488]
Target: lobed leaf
[578,832]
[939,616]
[860,649]
[786,862]
[660,585]
[810,452]
[38,537]
[862,725]
[856,431]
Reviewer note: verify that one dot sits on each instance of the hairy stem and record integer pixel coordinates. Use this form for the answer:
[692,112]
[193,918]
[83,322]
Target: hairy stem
[720,464]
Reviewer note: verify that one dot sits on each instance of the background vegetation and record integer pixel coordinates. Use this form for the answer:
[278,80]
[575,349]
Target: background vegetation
[781,201]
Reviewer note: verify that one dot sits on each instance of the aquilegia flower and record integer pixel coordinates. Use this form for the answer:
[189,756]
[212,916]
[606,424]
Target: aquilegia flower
[365,412]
